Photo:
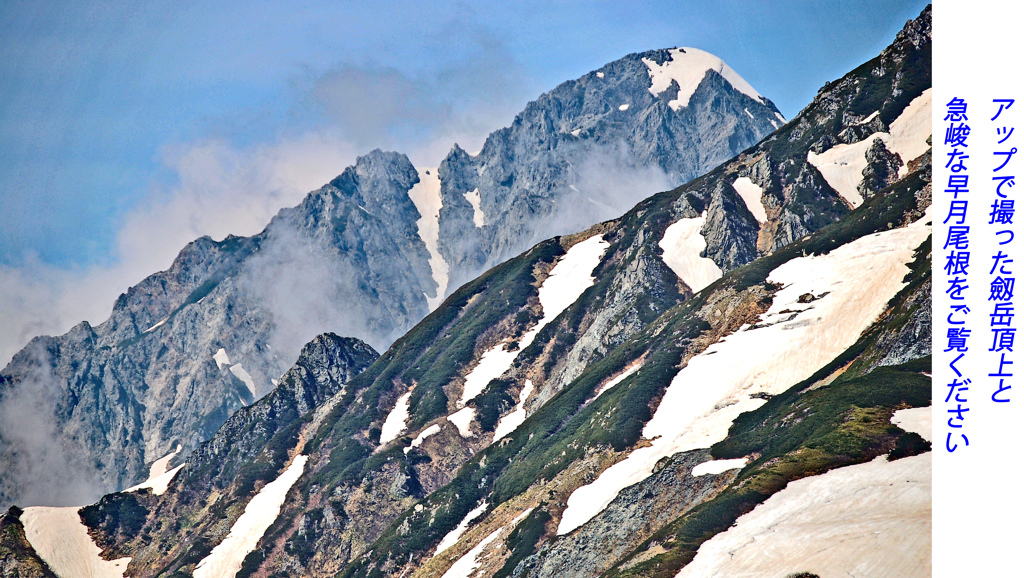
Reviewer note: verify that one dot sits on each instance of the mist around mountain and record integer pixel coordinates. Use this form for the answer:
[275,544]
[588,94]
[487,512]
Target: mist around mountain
[743,359]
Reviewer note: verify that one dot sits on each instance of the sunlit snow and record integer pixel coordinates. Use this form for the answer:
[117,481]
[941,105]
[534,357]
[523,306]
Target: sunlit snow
[717,466]
[624,106]
[242,374]
[843,165]
[465,566]
[426,195]
[569,278]
[159,475]
[462,420]
[682,246]
[221,357]
[478,214]
[63,542]
[916,419]
[687,66]
[394,424]
[423,435]
[261,511]
[867,520]
[617,380]
[869,118]
[748,113]
[452,537]
[510,422]
[158,324]
[851,287]
[600,74]
[751,195]
[781,118]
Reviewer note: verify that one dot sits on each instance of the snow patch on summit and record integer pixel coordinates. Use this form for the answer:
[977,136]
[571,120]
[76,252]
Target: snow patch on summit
[688,66]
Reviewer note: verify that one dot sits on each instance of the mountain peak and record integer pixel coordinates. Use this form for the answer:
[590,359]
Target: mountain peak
[687,67]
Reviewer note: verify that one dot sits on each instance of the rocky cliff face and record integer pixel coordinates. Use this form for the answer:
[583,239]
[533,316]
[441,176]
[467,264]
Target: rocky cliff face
[592,148]
[187,347]
[559,411]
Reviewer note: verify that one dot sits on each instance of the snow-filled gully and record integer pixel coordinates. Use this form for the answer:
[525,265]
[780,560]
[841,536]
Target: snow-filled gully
[426,196]
[843,164]
[852,285]
[61,539]
[570,277]
[261,511]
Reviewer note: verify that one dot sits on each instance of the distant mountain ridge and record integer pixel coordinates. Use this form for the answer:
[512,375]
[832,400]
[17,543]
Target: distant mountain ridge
[366,255]
[608,401]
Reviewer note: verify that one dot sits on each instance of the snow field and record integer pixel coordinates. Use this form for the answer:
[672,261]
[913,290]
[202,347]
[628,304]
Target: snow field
[426,195]
[717,466]
[478,214]
[509,423]
[452,537]
[751,195]
[682,246]
[61,539]
[916,419]
[159,475]
[852,285]
[843,164]
[394,423]
[261,511]
[867,520]
[687,66]
[465,566]
[423,435]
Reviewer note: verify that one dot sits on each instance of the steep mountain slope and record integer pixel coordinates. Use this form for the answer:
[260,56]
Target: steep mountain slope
[608,401]
[367,255]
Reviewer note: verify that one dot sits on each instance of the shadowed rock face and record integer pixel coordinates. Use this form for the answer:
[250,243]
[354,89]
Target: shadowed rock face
[105,401]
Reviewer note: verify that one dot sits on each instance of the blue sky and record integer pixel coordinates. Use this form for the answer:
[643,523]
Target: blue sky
[96,93]
[129,128]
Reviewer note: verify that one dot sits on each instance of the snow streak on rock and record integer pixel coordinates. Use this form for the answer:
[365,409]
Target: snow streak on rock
[394,424]
[423,435]
[242,374]
[751,195]
[465,566]
[682,246]
[510,422]
[474,199]
[452,537]
[159,475]
[222,359]
[849,288]
[570,277]
[688,66]
[261,511]
[616,380]
[426,195]
[718,466]
[866,520]
[62,541]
